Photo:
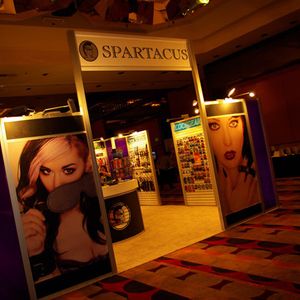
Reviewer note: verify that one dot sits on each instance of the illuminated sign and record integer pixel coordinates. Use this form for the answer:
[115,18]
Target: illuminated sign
[187,124]
[112,51]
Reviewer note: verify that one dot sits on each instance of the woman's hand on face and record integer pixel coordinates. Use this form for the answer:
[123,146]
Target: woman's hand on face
[242,194]
[34,231]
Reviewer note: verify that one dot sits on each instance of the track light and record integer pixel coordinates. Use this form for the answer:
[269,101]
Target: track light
[232,91]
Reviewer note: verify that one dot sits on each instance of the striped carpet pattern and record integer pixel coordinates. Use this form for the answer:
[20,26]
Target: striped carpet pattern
[259,259]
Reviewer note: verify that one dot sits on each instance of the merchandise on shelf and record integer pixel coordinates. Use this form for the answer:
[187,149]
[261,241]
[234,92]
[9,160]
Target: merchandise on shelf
[141,161]
[194,163]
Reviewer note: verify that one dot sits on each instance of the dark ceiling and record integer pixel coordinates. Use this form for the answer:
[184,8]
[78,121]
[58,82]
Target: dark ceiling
[129,11]
[36,69]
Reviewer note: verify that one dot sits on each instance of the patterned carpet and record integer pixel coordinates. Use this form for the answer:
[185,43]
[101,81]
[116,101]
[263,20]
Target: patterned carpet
[259,259]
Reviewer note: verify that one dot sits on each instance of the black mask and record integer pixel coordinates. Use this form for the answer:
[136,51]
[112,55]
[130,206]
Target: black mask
[67,196]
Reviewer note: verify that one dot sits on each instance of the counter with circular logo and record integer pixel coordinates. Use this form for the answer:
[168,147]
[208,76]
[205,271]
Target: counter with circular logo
[123,209]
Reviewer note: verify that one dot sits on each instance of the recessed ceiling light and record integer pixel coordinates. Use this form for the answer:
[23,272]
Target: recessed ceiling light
[45,74]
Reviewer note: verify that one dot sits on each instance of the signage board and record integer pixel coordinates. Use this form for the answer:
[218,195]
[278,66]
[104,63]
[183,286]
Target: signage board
[99,51]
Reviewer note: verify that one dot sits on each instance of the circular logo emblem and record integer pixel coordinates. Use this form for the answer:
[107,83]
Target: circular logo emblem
[88,50]
[119,216]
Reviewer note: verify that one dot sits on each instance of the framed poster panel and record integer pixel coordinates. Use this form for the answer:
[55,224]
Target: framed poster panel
[234,159]
[56,205]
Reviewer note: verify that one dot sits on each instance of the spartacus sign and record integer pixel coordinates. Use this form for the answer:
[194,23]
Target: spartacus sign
[109,51]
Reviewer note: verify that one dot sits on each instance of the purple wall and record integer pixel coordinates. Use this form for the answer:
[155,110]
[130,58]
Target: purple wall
[12,277]
[261,152]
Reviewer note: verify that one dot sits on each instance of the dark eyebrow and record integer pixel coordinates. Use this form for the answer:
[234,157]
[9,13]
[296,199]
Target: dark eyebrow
[214,119]
[69,165]
[234,118]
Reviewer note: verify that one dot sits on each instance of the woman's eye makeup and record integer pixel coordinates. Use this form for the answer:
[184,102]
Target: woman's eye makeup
[233,123]
[69,171]
[45,171]
[213,125]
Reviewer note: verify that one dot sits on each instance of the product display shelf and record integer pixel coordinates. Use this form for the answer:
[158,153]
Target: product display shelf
[193,162]
[143,169]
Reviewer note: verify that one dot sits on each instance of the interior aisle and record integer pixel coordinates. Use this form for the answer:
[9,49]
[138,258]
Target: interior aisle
[167,228]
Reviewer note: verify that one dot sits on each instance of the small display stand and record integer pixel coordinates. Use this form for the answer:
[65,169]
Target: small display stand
[143,169]
[191,154]
[101,154]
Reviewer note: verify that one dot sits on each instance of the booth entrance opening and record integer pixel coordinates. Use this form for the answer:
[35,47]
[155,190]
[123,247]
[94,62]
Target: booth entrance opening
[153,92]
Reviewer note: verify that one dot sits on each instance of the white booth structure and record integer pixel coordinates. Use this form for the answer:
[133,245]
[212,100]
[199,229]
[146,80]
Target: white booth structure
[54,206]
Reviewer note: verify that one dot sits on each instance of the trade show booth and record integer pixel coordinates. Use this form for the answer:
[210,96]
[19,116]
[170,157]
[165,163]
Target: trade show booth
[73,199]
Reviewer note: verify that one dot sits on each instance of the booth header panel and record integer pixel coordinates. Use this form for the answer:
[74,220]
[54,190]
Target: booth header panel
[100,52]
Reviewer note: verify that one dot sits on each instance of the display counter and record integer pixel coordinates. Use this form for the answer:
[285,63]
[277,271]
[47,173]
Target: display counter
[123,209]
[123,187]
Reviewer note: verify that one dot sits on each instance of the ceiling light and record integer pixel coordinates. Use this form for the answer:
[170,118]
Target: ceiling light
[203,2]
[155,104]
[195,102]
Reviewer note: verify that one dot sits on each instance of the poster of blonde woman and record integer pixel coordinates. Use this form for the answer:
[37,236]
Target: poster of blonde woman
[60,213]
[234,161]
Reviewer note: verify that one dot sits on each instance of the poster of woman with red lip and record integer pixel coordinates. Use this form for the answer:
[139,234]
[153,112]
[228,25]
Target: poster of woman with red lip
[235,166]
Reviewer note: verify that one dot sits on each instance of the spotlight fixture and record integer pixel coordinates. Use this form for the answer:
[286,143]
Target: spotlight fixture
[232,91]
[203,2]
[250,94]
[195,105]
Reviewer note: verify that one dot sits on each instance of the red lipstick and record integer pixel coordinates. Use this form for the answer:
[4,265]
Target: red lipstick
[229,155]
